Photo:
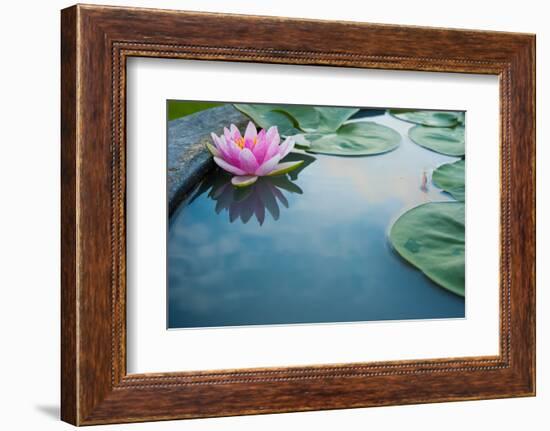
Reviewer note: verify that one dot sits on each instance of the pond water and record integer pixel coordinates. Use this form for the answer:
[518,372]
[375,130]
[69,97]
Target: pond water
[311,249]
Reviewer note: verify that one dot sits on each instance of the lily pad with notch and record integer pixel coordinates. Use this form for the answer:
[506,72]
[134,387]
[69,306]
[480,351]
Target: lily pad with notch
[324,129]
[266,116]
[451,178]
[431,237]
[293,119]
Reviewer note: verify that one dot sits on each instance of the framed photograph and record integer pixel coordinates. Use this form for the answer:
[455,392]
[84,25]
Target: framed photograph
[292,215]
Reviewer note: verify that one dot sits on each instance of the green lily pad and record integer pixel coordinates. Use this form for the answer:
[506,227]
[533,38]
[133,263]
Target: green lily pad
[291,119]
[431,237]
[451,178]
[304,117]
[323,129]
[266,116]
[444,140]
[331,119]
[428,118]
[355,139]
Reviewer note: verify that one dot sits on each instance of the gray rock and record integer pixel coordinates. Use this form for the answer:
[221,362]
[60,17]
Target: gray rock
[188,158]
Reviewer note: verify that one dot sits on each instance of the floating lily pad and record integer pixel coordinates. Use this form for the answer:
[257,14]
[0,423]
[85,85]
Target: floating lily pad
[266,116]
[428,118]
[444,140]
[331,119]
[355,139]
[289,118]
[323,129]
[431,237]
[304,117]
[450,177]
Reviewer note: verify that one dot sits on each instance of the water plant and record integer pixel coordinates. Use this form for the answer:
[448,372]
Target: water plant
[429,118]
[432,238]
[325,130]
[444,140]
[256,154]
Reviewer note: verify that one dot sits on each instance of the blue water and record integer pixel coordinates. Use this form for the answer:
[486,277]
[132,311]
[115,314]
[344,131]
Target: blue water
[312,249]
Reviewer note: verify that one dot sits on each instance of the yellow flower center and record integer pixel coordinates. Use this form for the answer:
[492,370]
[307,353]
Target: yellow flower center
[240,142]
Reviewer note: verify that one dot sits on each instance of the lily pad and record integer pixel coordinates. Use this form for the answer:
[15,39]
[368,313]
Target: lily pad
[451,178]
[431,237]
[324,129]
[290,118]
[331,119]
[428,118]
[304,117]
[355,139]
[444,140]
[266,116]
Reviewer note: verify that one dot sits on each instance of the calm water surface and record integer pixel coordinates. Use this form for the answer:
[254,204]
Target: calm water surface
[306,250]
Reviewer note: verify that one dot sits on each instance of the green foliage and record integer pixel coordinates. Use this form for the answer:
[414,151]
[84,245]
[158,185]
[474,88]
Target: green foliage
[432,238]
[324,129]
[429,118]
[444,140]
[178,108]
[451,178]
[266,116]
[355,139]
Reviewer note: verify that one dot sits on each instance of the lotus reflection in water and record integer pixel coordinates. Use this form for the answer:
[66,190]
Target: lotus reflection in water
[266,195]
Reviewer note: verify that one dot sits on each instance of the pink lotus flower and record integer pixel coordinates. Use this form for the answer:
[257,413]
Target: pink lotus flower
[252,156]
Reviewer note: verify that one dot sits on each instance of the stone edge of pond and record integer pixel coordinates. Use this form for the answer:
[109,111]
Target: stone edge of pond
[188,160]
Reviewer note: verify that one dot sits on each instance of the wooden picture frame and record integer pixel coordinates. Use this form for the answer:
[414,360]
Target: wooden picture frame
[95,43]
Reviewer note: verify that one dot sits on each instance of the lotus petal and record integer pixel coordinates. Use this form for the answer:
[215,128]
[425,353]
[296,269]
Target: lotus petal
[235,134]
[250,134]
[227,134]
[286,147]
[233,151]
[283,168]
[228,167]
[273,135]
[248,162]
[259,150]
[213,150]
[272,149]
[221,145]
[268,166]
[243,180]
